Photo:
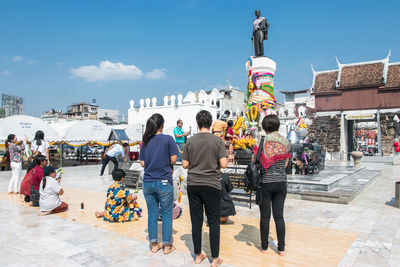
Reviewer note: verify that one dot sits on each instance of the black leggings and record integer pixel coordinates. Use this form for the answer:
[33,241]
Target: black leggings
[274,193]
[209,198]
[106,161]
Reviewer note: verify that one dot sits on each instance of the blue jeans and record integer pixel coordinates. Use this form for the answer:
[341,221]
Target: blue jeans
[180,150]
[159,196]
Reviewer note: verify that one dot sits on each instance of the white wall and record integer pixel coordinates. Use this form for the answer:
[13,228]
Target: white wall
[175,108]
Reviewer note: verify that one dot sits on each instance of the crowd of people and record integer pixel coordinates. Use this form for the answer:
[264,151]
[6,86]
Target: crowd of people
[41,184]
[203,155]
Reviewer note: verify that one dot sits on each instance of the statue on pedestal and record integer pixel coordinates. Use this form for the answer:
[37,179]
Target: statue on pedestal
[260,33]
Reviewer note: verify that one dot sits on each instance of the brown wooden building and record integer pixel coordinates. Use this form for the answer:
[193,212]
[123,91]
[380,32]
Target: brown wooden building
[359,101]
[370,85]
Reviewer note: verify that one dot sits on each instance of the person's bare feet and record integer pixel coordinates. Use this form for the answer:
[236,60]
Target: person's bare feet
[200,257]
[216,262]
[10,193]
[44,213]
[99,214]
[155,247]
[168,249]
[282,253]
[264,251]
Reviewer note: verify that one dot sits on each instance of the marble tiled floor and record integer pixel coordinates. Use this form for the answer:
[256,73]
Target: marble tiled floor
[27,239]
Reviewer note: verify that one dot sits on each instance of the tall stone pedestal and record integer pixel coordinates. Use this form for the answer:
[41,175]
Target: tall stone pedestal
[260,87]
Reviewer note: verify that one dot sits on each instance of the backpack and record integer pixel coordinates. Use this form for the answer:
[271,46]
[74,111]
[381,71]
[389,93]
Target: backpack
[252,175]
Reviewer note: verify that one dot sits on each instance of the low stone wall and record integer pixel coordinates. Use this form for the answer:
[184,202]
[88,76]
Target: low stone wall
[326,131]
[388,132]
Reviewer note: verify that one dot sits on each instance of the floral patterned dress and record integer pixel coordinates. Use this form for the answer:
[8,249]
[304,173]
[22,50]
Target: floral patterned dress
[120,206]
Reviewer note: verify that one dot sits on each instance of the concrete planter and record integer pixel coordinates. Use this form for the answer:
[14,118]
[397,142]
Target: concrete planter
[356,155]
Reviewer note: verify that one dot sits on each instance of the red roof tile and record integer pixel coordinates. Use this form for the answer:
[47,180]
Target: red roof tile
[393,77]
[363,75]
[325,83]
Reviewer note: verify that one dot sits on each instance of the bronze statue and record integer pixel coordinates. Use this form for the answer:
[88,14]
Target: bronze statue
[260,33]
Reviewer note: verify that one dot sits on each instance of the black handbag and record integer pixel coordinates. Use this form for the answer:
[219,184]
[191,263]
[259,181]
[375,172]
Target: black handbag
[252,175]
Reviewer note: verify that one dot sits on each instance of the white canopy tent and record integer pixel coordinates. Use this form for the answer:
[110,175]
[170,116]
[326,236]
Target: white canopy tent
[23,125]
[134,131]
[81,132]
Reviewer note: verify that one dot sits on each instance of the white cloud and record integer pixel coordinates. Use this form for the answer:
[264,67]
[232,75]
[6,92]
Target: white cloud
[6,72]
[108,71]
[156,74]
[59,64]
[17,58]
[32,61]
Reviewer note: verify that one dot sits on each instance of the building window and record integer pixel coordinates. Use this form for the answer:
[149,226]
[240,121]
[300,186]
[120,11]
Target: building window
[218,103]
[289,97]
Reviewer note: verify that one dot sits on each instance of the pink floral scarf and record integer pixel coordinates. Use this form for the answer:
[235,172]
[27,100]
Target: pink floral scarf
[276,148]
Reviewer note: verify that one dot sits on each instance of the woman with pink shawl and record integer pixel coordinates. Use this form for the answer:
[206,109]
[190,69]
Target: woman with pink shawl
[272,193]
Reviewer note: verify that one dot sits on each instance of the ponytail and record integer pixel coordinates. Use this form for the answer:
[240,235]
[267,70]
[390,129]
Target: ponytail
[155,122]
[10,137]
[44,182]
[39,136]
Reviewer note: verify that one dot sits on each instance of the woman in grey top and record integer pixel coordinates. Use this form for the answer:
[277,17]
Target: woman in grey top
[204,155]
[274,159]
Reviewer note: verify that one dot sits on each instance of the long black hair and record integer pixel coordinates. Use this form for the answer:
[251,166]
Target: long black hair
[39,136]
[155,122]
[10,137]
[35,162]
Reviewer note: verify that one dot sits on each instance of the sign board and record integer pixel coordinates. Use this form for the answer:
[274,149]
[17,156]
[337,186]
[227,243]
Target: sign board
[236,176]
[360,117]
[132,178]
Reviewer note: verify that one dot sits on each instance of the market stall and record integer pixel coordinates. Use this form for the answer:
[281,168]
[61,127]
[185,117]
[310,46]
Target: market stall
[82,142]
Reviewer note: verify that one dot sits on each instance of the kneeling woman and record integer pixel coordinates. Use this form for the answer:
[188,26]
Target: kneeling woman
[120,205]
[227,205]
[50,192]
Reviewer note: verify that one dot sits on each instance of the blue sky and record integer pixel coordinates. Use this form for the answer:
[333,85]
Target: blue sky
[167,47]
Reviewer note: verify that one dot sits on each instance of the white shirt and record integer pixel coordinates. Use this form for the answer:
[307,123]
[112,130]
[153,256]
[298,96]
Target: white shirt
[42,148]
[49,198]
[116,150]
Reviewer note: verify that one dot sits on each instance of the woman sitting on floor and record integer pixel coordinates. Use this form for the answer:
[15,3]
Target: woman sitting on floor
[120,205]
[227,205]
[36,178]
[50,192]
[26,183]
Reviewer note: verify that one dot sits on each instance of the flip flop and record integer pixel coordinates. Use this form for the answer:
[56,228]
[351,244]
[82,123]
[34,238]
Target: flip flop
[172,249]
[203,258]
[158,247]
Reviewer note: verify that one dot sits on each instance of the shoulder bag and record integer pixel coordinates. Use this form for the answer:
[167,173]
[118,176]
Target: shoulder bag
[252,175]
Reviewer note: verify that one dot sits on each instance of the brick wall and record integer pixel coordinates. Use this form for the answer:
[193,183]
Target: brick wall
[326,131]
[388,132]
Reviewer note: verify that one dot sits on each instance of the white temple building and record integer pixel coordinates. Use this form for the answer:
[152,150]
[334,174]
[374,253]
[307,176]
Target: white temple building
[297,104]
[186,107]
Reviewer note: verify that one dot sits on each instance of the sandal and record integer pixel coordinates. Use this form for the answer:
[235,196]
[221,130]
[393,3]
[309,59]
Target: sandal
[172,248]
[156,248]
